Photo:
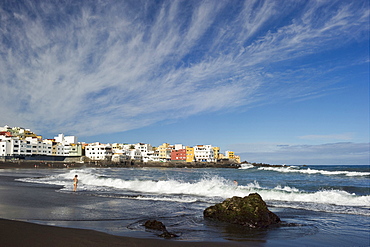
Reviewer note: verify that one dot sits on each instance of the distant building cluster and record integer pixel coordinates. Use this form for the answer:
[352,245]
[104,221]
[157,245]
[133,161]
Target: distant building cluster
[20,143]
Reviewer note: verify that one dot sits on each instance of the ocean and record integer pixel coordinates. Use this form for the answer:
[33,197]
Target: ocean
[318,205]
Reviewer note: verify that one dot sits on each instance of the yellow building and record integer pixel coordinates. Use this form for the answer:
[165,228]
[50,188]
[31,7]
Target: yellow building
[230,155]
[28,133]
[164,151]
[216,152]
[189,154]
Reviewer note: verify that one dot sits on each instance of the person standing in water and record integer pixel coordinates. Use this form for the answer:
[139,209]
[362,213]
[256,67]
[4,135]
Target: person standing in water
[75,181]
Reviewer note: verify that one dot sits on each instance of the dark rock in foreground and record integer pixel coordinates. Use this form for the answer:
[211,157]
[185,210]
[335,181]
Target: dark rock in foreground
[155,225]
[249,211]
[159,226]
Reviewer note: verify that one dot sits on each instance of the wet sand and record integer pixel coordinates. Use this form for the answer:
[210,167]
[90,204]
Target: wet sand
[21,204]
[17,233]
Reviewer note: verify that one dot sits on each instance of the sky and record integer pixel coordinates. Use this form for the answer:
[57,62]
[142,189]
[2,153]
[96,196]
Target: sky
[278,82]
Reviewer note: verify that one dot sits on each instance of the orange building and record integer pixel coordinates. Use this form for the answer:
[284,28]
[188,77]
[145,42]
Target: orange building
[178,155]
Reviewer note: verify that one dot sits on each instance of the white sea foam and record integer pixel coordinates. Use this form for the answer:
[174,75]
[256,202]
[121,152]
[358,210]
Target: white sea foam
[334,197]
[323,207]
[286,188]
[314,171]
[177,199]
[207,187]
[246,166]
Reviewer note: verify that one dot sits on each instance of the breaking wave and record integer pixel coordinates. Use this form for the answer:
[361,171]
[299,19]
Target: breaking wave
[246,166]
[209,189]
[294,169]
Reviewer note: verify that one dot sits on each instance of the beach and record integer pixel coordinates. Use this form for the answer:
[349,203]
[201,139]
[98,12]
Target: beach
[318,206]
[17,234]
[24,203]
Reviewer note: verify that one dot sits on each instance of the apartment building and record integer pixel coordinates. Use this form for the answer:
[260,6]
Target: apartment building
[230,155]
[164,151]
[190,154]
[178,155]
[143,147]
[15,147]
[61,138]
[98,151]
[178,147]
[120,155]
[216,152]
[204,153]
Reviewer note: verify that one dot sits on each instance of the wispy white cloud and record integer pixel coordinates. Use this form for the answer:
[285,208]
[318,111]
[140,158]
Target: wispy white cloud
[328,153]
[97,67]
[331,137]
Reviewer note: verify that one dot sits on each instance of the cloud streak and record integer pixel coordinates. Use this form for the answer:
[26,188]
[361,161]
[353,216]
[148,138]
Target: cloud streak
[329,153]
[95,67]
[344,136]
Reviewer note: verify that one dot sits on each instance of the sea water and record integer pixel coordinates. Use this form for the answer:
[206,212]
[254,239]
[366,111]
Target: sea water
[318,205]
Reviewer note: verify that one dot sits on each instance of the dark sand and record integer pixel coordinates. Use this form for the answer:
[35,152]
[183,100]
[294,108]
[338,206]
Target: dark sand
[22,202]
[17,233]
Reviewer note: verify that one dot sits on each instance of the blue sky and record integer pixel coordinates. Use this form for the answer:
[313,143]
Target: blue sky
[281,82]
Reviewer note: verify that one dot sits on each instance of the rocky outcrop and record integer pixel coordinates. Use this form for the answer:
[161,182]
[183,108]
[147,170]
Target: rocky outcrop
[155,225]
[159,226]
[249,211]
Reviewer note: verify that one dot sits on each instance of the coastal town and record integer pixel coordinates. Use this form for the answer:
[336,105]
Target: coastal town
[17,143]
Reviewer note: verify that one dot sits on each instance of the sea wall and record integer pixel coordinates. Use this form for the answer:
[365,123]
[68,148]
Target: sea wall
[70,163]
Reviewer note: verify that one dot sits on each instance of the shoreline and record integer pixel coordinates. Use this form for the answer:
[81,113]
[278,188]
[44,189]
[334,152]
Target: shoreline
[22,205]
[66,164]
[20,233]
[27,164]
[52,204]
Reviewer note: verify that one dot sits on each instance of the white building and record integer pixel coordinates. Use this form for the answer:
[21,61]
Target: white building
[61,138]
[150,156]
[120,155]
[98,151]
[145,151]
[13,146]
[143,148]
[204,153]
[38,147]
[179,146]
[134,154]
